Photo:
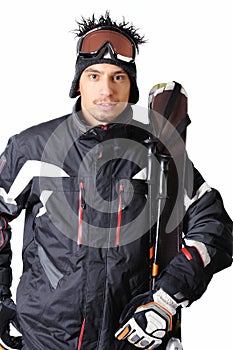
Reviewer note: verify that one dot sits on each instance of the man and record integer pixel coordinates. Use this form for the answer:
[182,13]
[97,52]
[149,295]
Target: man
[86,244]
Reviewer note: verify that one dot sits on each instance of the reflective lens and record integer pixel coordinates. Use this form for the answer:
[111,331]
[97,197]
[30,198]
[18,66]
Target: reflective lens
[93,41]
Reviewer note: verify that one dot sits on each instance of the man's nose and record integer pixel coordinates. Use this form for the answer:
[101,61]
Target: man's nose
[106,87]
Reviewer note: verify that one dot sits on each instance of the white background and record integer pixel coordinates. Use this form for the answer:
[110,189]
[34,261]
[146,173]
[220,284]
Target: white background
[188,41]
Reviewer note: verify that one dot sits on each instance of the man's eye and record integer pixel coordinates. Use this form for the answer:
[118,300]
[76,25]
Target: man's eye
[118,77]
[92,76]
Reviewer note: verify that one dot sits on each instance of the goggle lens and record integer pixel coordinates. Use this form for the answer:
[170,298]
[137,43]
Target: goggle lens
[95,40]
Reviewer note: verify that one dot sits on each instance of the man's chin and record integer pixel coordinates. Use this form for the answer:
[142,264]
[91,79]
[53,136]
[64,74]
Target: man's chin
[105,117]
[106,113]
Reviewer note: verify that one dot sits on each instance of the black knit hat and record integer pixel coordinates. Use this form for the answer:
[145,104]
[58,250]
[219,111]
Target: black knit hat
[88,25]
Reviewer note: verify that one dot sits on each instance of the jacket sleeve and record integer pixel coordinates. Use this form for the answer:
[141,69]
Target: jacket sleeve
[11,204]
[207,241]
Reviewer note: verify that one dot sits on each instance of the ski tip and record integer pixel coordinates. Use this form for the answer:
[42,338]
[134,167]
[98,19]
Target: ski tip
[159,88]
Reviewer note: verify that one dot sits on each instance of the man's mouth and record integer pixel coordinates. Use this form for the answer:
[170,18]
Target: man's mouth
[106,105]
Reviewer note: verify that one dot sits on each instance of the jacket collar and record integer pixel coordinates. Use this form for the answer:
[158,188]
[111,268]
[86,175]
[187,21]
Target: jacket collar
[124,118]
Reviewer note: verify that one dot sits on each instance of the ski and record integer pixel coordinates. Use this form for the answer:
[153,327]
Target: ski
[168,121]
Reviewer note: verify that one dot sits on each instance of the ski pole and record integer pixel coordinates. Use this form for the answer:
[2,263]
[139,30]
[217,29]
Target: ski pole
[173,343]
[151,144]
[163,160]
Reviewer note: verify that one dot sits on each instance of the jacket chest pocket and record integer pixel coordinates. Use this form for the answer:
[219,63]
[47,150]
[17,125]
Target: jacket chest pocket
[130,217]
[55,207]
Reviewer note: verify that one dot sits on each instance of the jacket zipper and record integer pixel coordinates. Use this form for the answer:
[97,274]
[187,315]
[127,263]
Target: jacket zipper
[119,213]
[81,205]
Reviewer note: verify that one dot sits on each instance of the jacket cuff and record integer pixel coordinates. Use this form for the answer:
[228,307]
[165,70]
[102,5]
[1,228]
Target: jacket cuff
[185,278]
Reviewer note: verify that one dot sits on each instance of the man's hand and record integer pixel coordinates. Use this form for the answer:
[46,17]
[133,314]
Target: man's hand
[7,317]
[150,322]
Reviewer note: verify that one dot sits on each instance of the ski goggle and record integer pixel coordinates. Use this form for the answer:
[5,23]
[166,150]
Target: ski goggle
[94,45]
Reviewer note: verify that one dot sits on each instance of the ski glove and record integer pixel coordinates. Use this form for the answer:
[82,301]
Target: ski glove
[150,322]
[7,317]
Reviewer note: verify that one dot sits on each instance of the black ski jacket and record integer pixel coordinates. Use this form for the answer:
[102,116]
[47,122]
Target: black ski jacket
[86,242]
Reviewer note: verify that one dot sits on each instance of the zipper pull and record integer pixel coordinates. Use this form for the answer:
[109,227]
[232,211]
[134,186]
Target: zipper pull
[81,195]
[81,206]
[121,196]
[121,207]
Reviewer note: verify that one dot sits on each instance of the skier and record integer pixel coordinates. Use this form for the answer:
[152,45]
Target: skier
[81,182]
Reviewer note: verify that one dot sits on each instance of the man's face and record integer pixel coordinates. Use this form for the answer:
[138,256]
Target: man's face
[104,90]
